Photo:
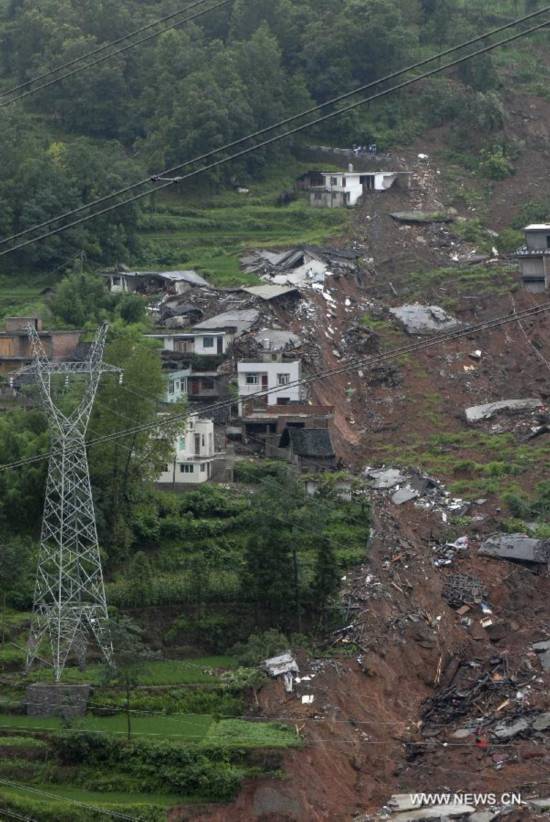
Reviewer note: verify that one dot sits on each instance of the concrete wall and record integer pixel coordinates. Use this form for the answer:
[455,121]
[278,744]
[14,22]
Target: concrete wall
[537,240]
[194,451]
[267,378]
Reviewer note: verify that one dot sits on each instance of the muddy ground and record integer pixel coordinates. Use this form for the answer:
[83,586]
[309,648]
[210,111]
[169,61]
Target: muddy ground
[367,734]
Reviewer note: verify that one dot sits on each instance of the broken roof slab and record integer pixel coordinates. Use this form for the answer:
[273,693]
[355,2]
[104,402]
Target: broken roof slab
[516,547]
[477,413]
[240,320]
[424,319]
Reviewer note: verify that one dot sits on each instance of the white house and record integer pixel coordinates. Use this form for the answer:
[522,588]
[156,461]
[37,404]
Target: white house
[336,189]
[194,455]
[276,377]
[194,342]
[534,257]
[177,385]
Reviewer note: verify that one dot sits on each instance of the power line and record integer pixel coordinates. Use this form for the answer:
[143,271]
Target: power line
[105,57]
[40,792]
[392,354]
[279,124]
[98,50]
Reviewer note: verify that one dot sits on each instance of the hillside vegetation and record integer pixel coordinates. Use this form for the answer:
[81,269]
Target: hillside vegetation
[215,79]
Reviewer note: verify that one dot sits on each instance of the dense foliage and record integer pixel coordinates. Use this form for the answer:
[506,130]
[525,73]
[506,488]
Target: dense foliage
[201,85]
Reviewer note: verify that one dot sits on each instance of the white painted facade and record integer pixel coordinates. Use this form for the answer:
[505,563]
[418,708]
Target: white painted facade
[194,453]
[270,376]
[176,387]
[345,188]
[195,342]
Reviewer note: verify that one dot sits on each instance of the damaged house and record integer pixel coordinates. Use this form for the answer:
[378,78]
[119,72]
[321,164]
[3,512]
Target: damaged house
[16,348]
[344,189]
[534,258]
[302,266]
[151,282]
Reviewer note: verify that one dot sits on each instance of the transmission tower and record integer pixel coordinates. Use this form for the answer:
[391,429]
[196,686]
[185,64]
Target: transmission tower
[69,600]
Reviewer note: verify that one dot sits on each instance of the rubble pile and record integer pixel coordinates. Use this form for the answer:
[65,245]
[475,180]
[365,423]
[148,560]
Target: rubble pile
[301,266]
[408,485]
[526,417]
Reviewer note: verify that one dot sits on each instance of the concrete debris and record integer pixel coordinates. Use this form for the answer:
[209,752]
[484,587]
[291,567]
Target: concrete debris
[422,217]
[461,589]
[282,664]
[539,804]
[477,413]
[382,478]
[516,547]
[445,554]
[270,339]
[302,266]
[308,699]
[241,321]
[405,494]
[424,319]
[271,292]
[543,651]
[453,810]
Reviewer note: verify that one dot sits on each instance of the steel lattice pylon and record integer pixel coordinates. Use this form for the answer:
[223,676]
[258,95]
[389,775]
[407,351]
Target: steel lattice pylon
[69,600]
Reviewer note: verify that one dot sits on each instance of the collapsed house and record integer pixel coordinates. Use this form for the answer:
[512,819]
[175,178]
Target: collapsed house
[305,265]
[151,282]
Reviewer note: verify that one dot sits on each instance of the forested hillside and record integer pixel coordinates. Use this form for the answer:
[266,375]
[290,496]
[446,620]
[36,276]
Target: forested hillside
[225,74]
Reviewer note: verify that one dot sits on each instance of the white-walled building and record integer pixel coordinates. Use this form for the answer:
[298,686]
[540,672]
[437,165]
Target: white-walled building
[337,189]
[194,455]
[194,342]
[177,385]
[534,258]
[276,377]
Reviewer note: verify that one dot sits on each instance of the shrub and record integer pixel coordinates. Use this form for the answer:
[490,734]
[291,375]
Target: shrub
[494,163]
[259,647]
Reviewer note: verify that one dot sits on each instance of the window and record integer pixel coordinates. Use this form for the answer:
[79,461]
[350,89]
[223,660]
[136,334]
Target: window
[203,441]
[208,342]
[334,181]
[181,443]
[252,379]
[203,466]
[548,241]
[170,386]
[283,400]
[166,469]
[283,379]
[116,280]
[343,182]
[187,468]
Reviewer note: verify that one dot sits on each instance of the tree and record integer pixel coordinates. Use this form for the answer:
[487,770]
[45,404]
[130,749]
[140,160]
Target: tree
[130,660]
[123,469]
[326,581]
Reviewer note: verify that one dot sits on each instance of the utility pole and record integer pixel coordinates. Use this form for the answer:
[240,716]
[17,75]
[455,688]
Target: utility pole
[69,600]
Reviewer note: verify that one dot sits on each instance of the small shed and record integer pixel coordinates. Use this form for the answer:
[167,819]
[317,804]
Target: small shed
[309,448]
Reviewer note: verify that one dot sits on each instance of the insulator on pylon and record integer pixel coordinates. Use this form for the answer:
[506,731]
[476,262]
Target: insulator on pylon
[121,378]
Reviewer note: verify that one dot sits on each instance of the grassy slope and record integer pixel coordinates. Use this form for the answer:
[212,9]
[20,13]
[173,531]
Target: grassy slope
[210,231]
